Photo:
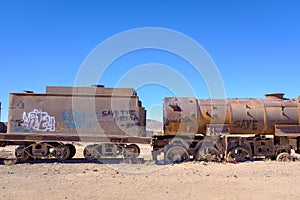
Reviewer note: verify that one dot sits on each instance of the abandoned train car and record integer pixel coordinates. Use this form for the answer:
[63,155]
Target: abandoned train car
[229,129]
[46,124]
[114,121]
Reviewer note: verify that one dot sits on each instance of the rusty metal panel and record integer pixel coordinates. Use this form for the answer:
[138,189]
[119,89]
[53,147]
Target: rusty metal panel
[91,91]
[217,129]
[213,111]
[280,111]
[68,114]
[247,116]
[287,130]
[181,116]
[53,137]
[244,116]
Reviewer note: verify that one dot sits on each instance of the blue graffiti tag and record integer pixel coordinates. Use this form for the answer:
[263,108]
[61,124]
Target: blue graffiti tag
[74,119]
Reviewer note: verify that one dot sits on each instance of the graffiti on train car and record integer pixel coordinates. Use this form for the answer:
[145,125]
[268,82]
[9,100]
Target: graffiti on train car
[125,118]
[121,115]
[246,124]
[38,120]
[74,119]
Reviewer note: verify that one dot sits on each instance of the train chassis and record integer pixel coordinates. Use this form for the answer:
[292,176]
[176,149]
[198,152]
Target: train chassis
[45,150]
[62,152]
[230,148]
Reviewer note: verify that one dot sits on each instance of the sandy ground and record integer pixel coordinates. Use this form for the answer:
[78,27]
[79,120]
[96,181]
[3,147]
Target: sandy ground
[78,179]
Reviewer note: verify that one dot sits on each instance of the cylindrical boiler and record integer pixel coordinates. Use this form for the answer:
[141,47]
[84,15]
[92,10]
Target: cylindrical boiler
[189,116]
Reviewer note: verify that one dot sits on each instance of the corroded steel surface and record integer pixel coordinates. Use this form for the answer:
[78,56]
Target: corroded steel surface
[179,118]
[99,91]
[78,137]
[99,111]
[188,116]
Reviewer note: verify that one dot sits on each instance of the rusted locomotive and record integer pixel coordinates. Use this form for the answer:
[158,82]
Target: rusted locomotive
[229,129]
[47,124]
[112,121]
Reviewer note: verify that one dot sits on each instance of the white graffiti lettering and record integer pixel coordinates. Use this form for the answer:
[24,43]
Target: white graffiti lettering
[39,120]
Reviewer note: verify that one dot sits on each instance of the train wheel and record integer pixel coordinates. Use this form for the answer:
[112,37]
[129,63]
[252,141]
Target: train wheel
[239,154]
[134,149]
[62,152]
[72,150]
[90,152]
[207,152]
[176,154]
[283,157]
[131,153]
[22,153]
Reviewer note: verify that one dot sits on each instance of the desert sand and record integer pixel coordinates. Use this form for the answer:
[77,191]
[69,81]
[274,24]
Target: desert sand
[79,179]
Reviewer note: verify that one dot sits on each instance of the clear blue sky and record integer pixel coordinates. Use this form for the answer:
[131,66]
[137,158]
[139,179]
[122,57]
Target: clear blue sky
[254,43]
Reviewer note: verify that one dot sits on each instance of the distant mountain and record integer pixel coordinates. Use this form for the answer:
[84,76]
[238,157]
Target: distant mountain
[154,125]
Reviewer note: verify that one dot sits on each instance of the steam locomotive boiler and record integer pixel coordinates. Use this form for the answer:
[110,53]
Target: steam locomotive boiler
[230,129]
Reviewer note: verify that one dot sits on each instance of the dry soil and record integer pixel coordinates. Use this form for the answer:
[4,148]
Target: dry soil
[78,179]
